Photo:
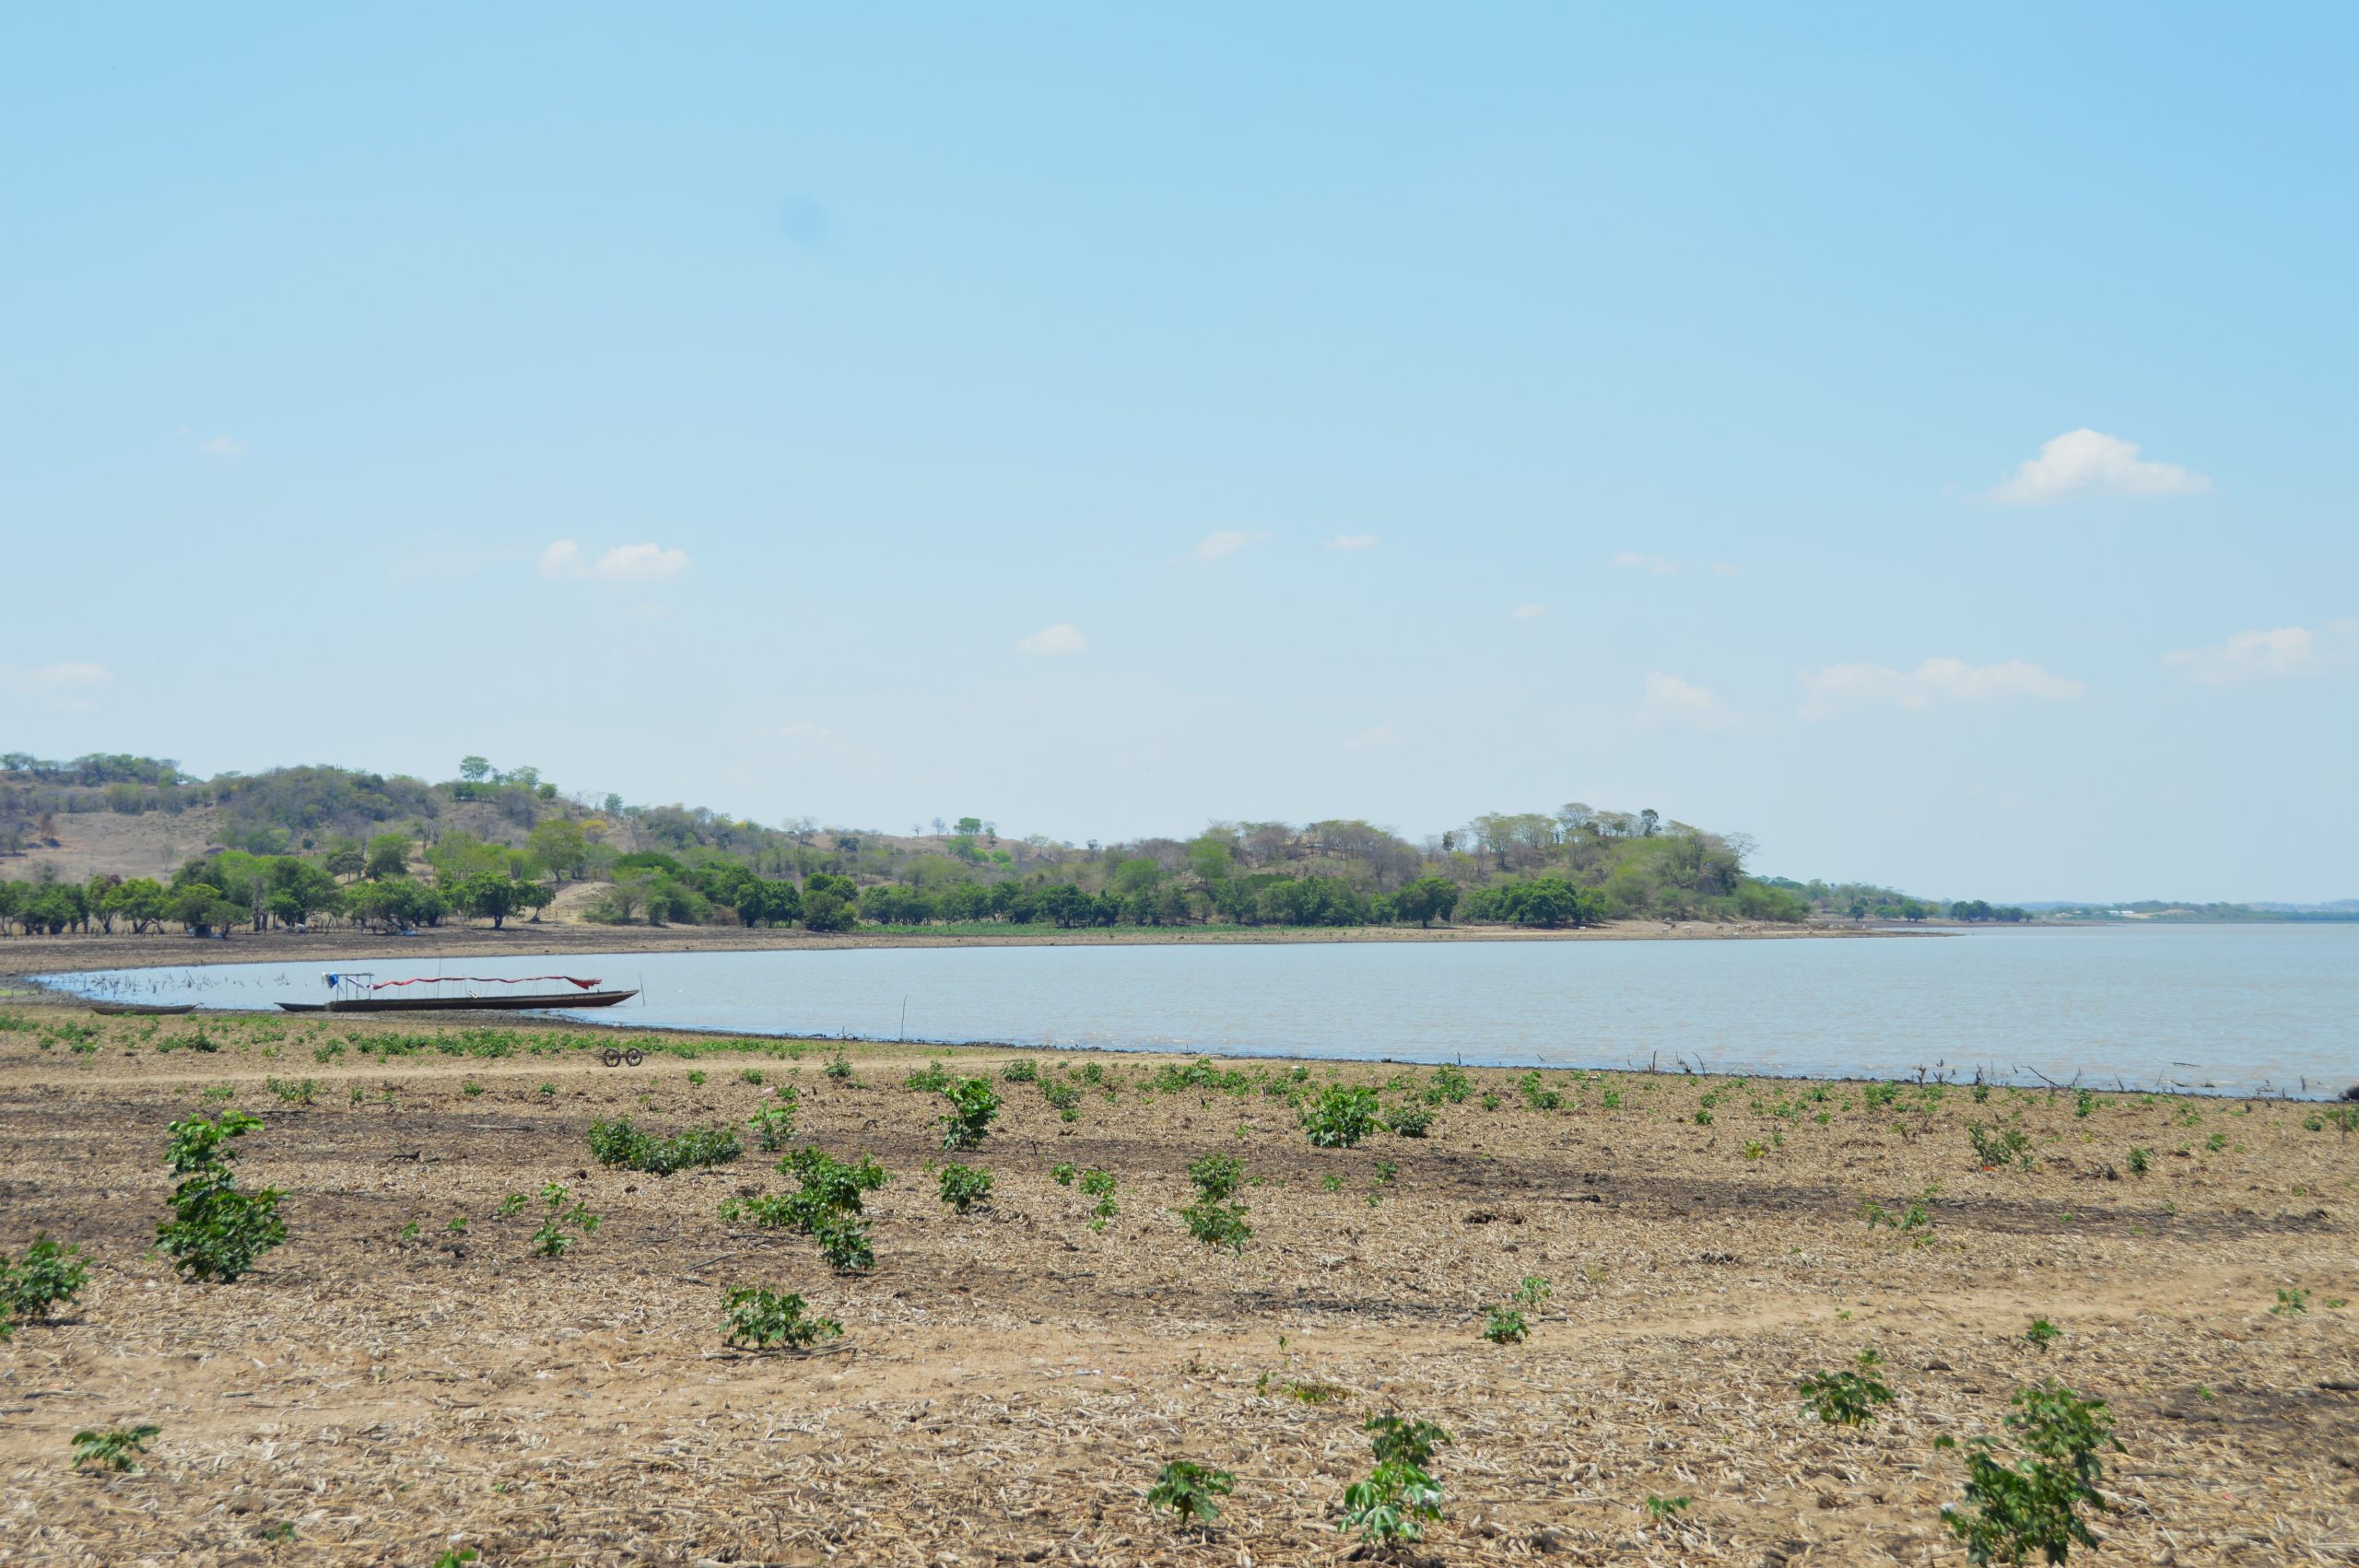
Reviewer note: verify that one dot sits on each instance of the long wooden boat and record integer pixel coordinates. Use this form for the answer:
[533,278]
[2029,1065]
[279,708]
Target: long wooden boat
[461,1003]
[139,1009]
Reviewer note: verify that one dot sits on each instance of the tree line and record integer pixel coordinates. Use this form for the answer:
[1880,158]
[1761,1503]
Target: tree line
[301,845]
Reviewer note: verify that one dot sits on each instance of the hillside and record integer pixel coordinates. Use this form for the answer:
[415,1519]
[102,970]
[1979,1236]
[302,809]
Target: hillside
[102,837]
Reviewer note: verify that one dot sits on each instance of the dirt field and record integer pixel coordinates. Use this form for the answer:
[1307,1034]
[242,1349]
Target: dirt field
[1009,1380]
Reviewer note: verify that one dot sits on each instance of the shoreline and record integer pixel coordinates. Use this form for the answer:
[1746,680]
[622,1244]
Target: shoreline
[27,958]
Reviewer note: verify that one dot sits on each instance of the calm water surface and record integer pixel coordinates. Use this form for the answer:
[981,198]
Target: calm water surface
[2236,1008]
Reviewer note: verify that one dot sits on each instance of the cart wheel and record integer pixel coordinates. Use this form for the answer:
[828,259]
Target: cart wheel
[634,1055]
[613,1056]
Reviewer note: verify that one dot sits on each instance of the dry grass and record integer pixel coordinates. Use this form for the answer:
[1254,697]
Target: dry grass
[1012,1380]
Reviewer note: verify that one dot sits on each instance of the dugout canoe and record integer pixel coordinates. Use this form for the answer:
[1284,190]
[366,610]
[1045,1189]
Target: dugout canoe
[461,1003]
[139,1009]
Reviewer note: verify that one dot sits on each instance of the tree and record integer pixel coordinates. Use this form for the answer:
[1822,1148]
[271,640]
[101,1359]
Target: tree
[829,903]
[560,847]
[139,900]
[345,856]
[1425,900]
[969,827]
[474,769]
[494,895]
[388,856]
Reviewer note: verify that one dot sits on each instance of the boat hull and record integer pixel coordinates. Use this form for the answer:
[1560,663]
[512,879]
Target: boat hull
[461,1003]
[136,1009]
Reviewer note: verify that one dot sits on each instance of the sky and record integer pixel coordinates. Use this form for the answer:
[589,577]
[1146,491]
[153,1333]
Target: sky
[1918,437]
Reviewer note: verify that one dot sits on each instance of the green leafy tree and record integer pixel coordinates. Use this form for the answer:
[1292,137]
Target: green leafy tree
[388,856]
[830,903]
[215,1232]
[1425,900]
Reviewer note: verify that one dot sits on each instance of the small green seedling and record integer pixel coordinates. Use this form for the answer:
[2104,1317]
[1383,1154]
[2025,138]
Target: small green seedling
[112,1448]
[760,1319]
[1189,1489]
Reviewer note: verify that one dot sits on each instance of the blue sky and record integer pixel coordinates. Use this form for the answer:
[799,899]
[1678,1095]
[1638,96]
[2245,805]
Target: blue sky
[1918,439]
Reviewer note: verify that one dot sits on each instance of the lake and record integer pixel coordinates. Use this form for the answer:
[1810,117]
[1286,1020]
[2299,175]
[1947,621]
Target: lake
[2237,1009]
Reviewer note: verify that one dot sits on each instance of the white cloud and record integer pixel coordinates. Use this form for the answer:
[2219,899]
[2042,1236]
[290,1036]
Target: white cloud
[1375,737]
[1063,638]
[804,730]
[1631,561]
[624,563]
[1224,542]
[1527,612]
[59,686]
[1352,542]
[222,446]
[2282,653]
[1667,699]
[2090,462]
[1936,681]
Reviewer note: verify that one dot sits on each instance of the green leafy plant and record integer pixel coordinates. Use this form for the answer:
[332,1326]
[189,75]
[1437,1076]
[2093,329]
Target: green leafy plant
[2035,1504]
[964,1186]
[292,1091]
[1537,1095]
[1216,1176]
[1340,1117]
[844,1243]
[113,1447]
[2041,1334]
[1062,1173]
[761,1318]
[696,1078]
[2141,1160]
[1447,1086]
[1020,1071]
[48,1276]
[1409,1121]
[839,1066]
[215,1232]
[1533,1291]
[773,1125]
[2292,1303]
[1505,1325]
[1998,1147]
[1398,1498]
[551,1240]
[930,1078]
[512,1205]
[1217,1224]
[974,1105]
[1063,1098]
[1847,1398]
[1187,1489]
[457,1557]
[751,1075]
[1662,1510]
[618,1144]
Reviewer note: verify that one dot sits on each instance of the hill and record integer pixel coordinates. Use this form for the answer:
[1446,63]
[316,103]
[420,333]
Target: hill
[107,837]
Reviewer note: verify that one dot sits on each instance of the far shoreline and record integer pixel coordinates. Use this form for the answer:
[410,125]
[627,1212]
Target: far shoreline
[28,958]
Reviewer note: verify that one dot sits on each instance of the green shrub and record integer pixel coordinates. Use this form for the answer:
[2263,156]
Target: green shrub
[33,1287]
[1218,1225]
[1505,1325]
[551,1240]
[2141,1161]
[1063,1098]
[1062,1173]
[843,1241]
[1845,1399]
[2041,1334]
[2012,1512]
[1409,1121]
[1187,1489]
[1398,1498]
[963,1187]
[1447,1085]
[1537,1094]
[930,1078]
[292,1091]
[1020,1071]
[773,1125]
[1340,1117]
[761,1318]
[618,1143]
[215,1232]
[974,1105]
[838,1066]
[1216,1176]
[1995,1148]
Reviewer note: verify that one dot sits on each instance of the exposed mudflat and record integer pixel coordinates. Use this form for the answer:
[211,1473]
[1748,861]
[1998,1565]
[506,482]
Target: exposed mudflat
[1009,1380]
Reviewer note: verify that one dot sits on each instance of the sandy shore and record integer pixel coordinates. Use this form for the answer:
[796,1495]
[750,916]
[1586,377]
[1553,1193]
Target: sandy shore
[1011,1379]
